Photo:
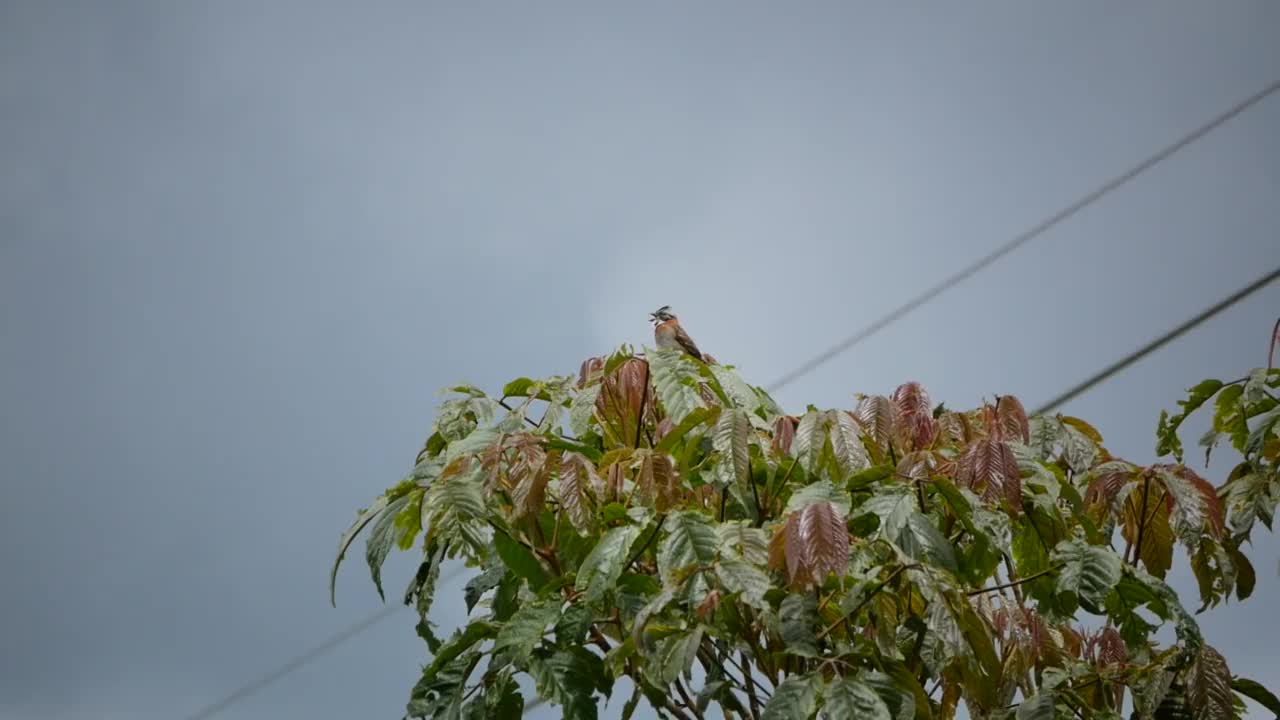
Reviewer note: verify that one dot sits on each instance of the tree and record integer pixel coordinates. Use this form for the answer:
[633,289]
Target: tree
[659,519]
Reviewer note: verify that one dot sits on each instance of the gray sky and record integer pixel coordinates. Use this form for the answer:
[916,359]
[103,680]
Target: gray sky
[243,243]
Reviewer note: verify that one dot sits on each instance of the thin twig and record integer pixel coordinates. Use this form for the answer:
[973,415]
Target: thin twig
[644,397]
[862,603]
[688,702]
[751,689]
[1271,351]
[1015,583]
[647,543]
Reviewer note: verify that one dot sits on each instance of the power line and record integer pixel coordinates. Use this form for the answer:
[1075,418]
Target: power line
[303,659]
[893,316]
[1159,342]
[1017,242]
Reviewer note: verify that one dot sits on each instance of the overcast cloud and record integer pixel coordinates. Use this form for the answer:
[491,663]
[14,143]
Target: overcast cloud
[242,243]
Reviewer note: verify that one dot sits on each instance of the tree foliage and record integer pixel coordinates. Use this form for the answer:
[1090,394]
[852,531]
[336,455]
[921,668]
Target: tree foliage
[660,519]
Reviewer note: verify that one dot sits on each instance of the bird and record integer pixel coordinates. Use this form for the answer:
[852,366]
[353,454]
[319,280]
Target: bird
[668,333]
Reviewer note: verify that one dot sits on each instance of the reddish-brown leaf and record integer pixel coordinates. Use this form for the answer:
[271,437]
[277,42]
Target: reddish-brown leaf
[665,426]
[709,605]
[1209,691]
[657,481]
[1107,480]
[989,467]
[590,369]
[578,483]
[1012,419]
[1106,648]
[784,431]
[811,544]
[618,405]
[528,496]
[915,413]
[1194,496]
[878,416]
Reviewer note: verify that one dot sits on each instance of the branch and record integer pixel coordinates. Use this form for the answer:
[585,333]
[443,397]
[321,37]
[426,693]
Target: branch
[647,543]
[688,702]
[526,418]
[644,397]
[863,603]
[1015,583]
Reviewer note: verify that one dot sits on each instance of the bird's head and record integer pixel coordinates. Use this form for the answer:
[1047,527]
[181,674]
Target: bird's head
[662,315]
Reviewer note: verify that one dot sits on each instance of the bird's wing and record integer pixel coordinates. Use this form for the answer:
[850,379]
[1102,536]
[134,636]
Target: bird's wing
[686,342]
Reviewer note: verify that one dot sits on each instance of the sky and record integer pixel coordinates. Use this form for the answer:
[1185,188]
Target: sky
[242,244]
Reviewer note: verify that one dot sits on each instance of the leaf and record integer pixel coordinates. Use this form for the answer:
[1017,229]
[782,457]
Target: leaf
[846,445]
[384,534]
[878,416]
[989,466]
[820,491]
[441,694]
[1167,441]
[794,699]
[364,518]
[675,377]
[784,433]
[915,413]
[922,541]
[691,421]
[690,541]
[520,560]
[1194,503]
[738,576]
[810,440]
[582,410]
[1264,428]
[1088,571]
[1209,686]
[461,642]
[675,656]
[523,632]
[850,698]
[1012,419]
[1145,509]
[577,479]
[731,438]
[742,394]
[900,701]
[1257,693]
[481,584]
[565,679]
[603,565]
[797,617]
[1038,707]
[750,543]
[814,543]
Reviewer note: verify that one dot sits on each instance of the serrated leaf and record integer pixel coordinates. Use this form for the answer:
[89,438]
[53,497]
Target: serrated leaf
[524,631]
[603,565]
[900,701]
[461,642]
[384,534]
[364,518]
[565,679]
[990,467]
[691,422]
[1012,418]
[922,541]
[796,698]
[520,560]
[740,393]
[675,377]
[798,618]
[915,412]
[1038,707]
[1088,571]
[846,444]
[481,584]
[750,543]
[812,543]
[809,442]
[1145,509]
[690,541]
[582,410]
[738,576]
[820,491]
[850,698]
[441,694]
[1167,441]
[675,656]
[578,479]
[731,438]
[1195,504]
[1264,428]
[1208,689]
[878,416]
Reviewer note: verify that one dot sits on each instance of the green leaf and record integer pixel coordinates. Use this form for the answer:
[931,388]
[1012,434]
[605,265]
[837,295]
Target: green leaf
[846,444]
[603,565]
[384,534]
[690,541]
[738,576]
[675,656]
[582,410]
[675,377]
[850,698]
[749,543]
[1039,707]
[691,421]
[900,701]
[1167,441]
[440,695]
[524,631]
[364,518]
[810,440]
[731,438]
[820,491]
[502,699]
[796,698]
[565,678]
[740,393]
[798,616]
[481,584]
[629,709]
[1088,571]
[1265,427]
[573,626]
[520,560]
[922,541]
[1257,693]
[461,642]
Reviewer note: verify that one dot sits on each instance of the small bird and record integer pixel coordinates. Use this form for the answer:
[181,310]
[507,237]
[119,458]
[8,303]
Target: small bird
[668,333]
